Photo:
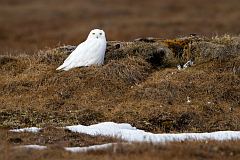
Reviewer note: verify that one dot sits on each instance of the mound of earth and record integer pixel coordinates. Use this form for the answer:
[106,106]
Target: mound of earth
[138,84]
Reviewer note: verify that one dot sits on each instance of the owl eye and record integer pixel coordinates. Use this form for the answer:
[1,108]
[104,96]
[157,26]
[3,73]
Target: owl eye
[93,33]
[100,33]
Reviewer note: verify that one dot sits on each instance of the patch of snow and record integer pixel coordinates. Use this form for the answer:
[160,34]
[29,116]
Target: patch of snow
[131,134]
[31,129]
[90,148]
[186,65]
[73,149]
[38,147]
[179,67]
[127,132]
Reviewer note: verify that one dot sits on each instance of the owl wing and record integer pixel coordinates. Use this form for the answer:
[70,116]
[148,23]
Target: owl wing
[78,56]
[93,54]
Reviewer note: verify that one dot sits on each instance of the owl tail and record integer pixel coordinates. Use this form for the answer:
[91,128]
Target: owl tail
[59,68]
[62,67]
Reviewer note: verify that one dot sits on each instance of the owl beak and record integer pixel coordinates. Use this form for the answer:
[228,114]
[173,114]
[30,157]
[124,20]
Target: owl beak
[97,36]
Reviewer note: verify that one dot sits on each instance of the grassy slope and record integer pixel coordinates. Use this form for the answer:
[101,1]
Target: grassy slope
[131,87]
[128,88]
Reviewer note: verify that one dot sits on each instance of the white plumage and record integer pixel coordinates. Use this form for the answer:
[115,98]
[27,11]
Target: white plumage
[89,52]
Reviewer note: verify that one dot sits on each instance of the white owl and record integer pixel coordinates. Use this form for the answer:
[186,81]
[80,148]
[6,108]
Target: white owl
[89,52]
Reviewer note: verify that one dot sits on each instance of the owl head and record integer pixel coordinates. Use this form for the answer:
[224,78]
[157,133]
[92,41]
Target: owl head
[96,34]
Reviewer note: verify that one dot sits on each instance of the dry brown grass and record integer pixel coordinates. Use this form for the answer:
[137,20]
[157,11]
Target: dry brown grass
[151,95]
[53,137]
[228,150]
[139,84]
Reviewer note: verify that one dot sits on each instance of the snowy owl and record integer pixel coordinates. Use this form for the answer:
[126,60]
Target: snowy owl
[89,52]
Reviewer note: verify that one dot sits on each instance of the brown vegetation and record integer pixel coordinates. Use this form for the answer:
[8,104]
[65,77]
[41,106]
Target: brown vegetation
[130,87]
[228,150]
[139,84]
[54,137]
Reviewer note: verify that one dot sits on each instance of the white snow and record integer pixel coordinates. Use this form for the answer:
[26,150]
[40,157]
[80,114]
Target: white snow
[39,147]
[179,67]
[127,132]
[131,134]
[72,149]
[186,65]
[31,129]
[90,148]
